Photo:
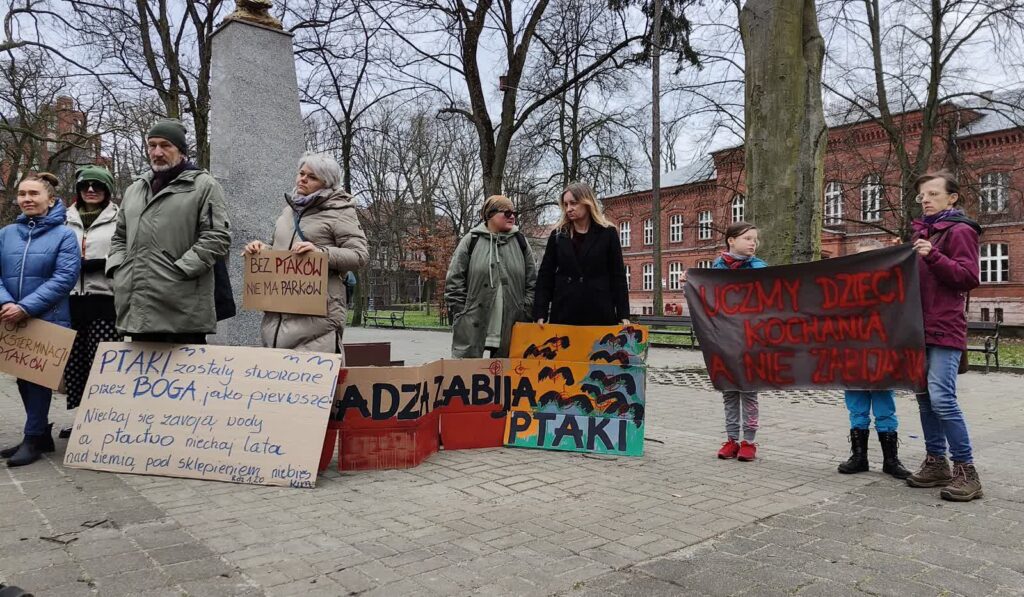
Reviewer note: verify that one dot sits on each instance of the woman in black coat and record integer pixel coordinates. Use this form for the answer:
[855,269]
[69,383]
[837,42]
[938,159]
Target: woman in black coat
[582,279]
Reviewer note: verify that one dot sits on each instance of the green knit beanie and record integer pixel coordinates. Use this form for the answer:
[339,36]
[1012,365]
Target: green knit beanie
[96,174]
[173,131]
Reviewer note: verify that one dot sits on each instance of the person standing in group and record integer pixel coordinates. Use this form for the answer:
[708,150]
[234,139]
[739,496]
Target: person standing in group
[93,218]
[946,242]
[582,278]
[318,216]
[741,408]
[860,404]
[490,283]
[171,230]
[39,265]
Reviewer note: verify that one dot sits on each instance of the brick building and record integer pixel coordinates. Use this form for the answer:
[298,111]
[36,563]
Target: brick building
[862,195]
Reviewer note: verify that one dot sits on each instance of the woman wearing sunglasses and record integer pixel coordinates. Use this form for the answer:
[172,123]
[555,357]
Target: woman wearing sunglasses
[490,283]
[582,278]
[93,217]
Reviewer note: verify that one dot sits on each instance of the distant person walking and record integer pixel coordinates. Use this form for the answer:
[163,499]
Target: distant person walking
[171,230]
[318,216]
[39,265]
[582,278]
[490,283]
[93,218]
[947,246]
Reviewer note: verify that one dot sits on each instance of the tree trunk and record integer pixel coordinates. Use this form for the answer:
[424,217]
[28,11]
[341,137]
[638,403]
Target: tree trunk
[785,127]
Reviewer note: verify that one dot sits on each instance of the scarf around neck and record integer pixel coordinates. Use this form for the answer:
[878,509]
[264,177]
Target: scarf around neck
[734,261]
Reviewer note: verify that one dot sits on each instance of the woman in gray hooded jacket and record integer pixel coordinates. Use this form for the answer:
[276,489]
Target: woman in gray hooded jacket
[490,283]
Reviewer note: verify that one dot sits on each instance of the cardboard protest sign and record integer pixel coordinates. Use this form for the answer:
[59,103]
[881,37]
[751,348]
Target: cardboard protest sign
[590,383]
[36,351]
[247,415]
[850,322]
[283,282]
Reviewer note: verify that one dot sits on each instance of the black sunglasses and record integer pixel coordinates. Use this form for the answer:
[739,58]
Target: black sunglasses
[91,185]
[508,213]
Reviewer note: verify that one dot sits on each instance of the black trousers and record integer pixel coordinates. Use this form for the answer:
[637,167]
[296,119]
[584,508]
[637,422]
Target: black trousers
[170,338]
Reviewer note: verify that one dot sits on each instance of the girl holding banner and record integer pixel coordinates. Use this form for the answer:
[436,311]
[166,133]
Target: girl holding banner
[582,279]
[947,246]
[318,216]
[741,244]
[39,265]
[93,217]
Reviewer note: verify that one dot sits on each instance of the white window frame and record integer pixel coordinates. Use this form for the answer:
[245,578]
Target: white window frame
[994,263]
[648,231]
[704,223]
[675,276]
[871,199]
[994,192]
[704,264]
[648,276]
[675,228]
[628,279]
[739,207]
[833,204]
[624,239]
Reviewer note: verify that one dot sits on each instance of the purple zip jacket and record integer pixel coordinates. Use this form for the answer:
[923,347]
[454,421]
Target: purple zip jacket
[947,274]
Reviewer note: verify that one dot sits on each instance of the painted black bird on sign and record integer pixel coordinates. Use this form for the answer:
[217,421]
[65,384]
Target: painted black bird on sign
[552,373]
[618,403]
[638,413]
[547,349]
[603,355]
[580,401]
[614,381]
[617,339]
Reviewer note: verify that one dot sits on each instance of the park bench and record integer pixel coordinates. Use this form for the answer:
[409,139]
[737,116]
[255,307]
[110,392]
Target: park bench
[380,318]
[659,324]
[990,348]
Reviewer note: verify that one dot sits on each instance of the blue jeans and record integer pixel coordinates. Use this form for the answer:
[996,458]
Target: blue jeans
[860,403]
[941,418]
[36,399]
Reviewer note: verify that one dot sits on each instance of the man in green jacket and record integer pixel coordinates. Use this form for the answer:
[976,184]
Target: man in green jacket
[172,228]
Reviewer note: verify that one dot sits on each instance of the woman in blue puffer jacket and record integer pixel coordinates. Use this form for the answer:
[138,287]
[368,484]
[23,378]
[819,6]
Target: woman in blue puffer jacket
[39,265]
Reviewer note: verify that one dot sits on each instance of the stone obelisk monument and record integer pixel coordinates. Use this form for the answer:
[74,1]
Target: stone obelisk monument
[256,137]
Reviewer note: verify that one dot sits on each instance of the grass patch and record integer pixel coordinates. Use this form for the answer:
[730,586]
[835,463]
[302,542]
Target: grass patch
[1011,352]
[414,319]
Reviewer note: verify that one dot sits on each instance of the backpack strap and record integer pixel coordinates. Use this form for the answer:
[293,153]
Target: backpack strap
[520,238]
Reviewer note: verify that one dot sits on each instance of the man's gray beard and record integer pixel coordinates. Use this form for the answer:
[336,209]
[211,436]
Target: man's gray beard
[164,167]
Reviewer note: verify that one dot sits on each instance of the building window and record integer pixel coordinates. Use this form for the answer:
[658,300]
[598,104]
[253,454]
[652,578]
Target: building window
[993,192]
[833,204]
[628,285]
[648,276]
[995,262]
[999,314]
[984,314]
[647,310]
[624,234]
[704,264]
[675,276]
[675,229]
[704,225]
[739,203]
[871,199]
[648,232]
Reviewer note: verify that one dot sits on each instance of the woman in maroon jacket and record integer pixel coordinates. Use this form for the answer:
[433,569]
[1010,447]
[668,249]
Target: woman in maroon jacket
[947,246]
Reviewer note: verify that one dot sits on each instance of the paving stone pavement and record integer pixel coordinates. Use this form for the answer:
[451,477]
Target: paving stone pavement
[524,522]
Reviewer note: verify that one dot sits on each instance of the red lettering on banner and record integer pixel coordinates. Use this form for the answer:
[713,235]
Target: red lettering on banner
[752,298]
[718,369]
[849,366]
[304,267]
[776,331]
[769,366]
[862,289]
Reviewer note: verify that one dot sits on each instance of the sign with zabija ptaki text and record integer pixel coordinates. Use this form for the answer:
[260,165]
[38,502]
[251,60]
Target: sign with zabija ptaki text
[240,414]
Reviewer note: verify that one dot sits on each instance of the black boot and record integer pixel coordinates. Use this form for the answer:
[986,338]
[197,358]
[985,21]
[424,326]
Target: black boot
[858,462]
[27,453]
[890,455]
[45,444]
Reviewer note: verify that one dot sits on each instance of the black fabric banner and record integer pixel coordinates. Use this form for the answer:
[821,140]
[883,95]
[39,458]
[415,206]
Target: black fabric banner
[850,322]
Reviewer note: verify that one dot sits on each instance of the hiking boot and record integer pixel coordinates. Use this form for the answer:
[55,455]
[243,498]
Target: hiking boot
[729,450]
[965,486]
[10,451]
[28,452]
[747,451]
[934,472]
[891,464]
[858,462]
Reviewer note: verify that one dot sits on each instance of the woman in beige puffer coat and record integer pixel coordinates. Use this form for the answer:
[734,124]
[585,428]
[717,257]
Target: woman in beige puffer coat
[318,216]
